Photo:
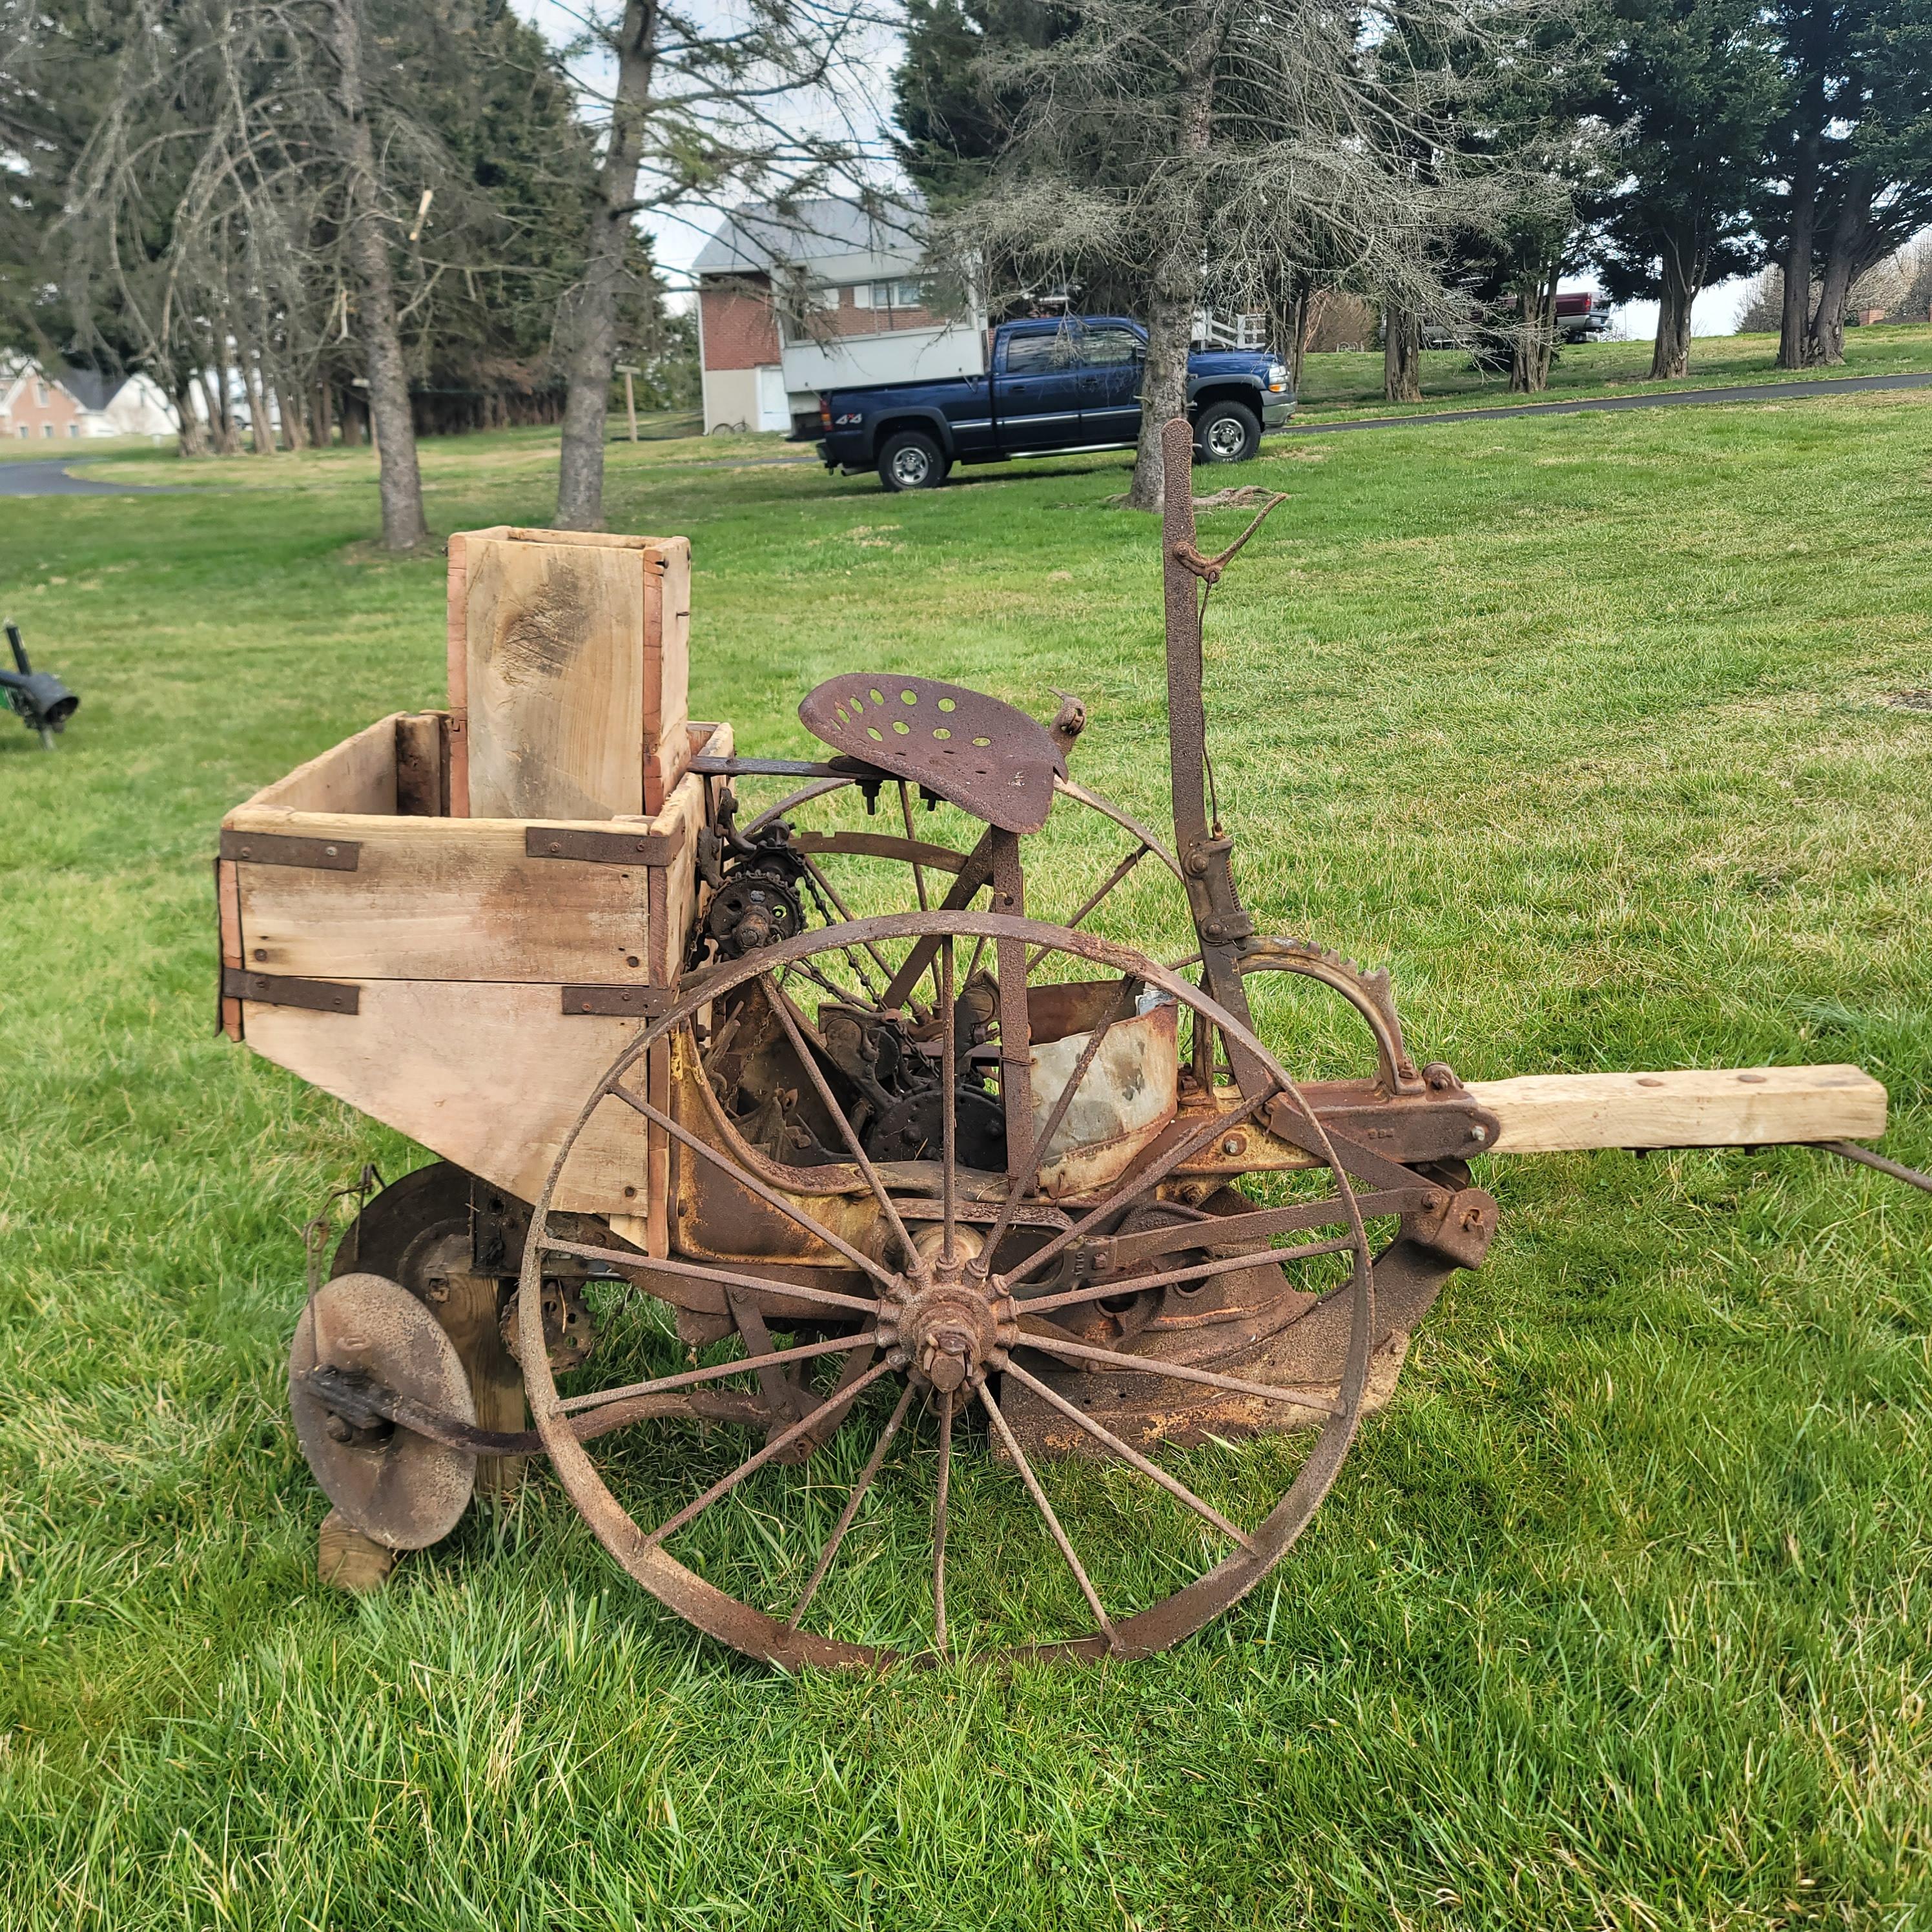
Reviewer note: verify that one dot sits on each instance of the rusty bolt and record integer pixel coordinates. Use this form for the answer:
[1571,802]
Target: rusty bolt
[1431,1202]
[1233,1145]
[556,845]
[328,851]
[337,1429]
[1478,1135]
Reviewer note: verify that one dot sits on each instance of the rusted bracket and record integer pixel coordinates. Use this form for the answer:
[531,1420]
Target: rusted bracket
[278,848]
[285,989]
[603,848]
[617,1002]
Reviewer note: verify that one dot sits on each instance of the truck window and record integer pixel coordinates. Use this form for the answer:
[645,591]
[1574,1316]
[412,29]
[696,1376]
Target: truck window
[1108,348]
[1035,355]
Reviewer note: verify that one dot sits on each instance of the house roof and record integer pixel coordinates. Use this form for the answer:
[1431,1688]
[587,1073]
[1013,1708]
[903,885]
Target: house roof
[88,388]
[830,239]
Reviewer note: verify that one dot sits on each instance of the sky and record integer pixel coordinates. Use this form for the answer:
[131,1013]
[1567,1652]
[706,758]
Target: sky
[676,240]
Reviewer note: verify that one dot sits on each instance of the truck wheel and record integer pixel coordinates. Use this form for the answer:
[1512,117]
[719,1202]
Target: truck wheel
[912,461]
[1226,433]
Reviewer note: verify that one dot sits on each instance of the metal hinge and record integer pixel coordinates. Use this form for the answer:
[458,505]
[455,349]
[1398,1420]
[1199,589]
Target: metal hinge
[284,989]
[603,848]
[277,848]
[617,1002]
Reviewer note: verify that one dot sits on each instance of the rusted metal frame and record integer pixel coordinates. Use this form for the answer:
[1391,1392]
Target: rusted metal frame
[1015,1026]
[804,1351]
[1139,1180]
[1179,1490]
[1045,1508]
[1181,1372]
[949,1102]
[1111,1252]
[977,871]
[618,1002]
[1094,801]
[362,1401]
[784,1393]
[724,1278]
[1119,873]
[838,1400]
[849,1514]
[915,852]
[781,1006]
[735,767]
[1851,1150]
[918,870]
[804,794]
[856,1363]
[750,1182]
[1220,919]
[1018,1185]
[941,1502]
[1134,1284]
[1335,1149]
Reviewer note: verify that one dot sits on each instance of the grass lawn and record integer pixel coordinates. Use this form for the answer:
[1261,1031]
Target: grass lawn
[1589,726]
[1351,383]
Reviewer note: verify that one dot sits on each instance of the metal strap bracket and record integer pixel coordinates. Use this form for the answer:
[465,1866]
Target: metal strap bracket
[617,1002]
[285,989]
[603,848]
[279,848]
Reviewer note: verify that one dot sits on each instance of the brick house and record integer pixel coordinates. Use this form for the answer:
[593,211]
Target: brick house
[38,406]
[827,295]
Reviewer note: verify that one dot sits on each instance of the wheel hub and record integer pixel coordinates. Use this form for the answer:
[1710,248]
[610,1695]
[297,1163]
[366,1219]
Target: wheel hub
[945,1326]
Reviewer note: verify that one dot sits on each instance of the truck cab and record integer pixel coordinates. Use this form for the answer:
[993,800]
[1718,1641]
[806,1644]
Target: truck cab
[1052,385]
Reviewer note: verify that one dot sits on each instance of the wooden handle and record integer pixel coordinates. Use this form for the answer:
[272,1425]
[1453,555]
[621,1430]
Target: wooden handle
[1755,1106]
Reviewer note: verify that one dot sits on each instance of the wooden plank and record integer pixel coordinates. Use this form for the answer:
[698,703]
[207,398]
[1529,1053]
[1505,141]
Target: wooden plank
[228,922]
[420,779]
[456,899]
[554,680]
[667,745]
[359,774]
[456,645]
[1758,1106]
[489,1076]
[686,810]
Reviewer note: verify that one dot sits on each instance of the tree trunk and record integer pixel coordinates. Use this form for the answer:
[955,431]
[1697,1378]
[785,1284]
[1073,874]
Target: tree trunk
[399,484]
[1794,321]
[588,318]
[1671,356]
[1402,355]
[214,414]
[319,413]
[1536,338]
[295,431]
[1177,276]
[193,439]
[1824,334]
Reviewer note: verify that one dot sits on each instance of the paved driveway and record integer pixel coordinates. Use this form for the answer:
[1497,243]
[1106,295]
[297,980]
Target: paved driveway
[52,477]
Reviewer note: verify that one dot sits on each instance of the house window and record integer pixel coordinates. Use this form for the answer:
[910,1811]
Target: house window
[41,394]
[25,432]
[47,431]
[73,429]
[888,294]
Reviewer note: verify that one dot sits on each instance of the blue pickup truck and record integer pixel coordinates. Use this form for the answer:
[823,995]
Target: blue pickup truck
[1064,383]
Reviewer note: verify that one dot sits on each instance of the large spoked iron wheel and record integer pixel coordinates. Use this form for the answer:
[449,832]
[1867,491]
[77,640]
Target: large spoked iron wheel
[929,1289]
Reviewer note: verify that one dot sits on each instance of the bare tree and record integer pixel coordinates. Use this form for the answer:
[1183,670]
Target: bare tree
[707,105]
[1225,149]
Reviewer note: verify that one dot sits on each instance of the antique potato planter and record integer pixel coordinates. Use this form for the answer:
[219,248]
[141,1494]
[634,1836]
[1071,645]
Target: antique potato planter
[819,1166]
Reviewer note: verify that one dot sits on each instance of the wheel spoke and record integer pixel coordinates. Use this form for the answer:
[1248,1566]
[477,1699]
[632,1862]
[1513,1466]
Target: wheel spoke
[778,1358]
[1180,1371]
[750,1182]
[1137,1183]
[1100,1291]
[1045,1509]
[838,1399]
[1114,878]
[819,1297]
[1019,1182]
[849,1514]
[1132,1457]
[782,1006]
[941,1501]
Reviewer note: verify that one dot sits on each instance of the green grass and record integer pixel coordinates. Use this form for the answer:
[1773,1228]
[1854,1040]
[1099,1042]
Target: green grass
[1617,1619]
[1351,383]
